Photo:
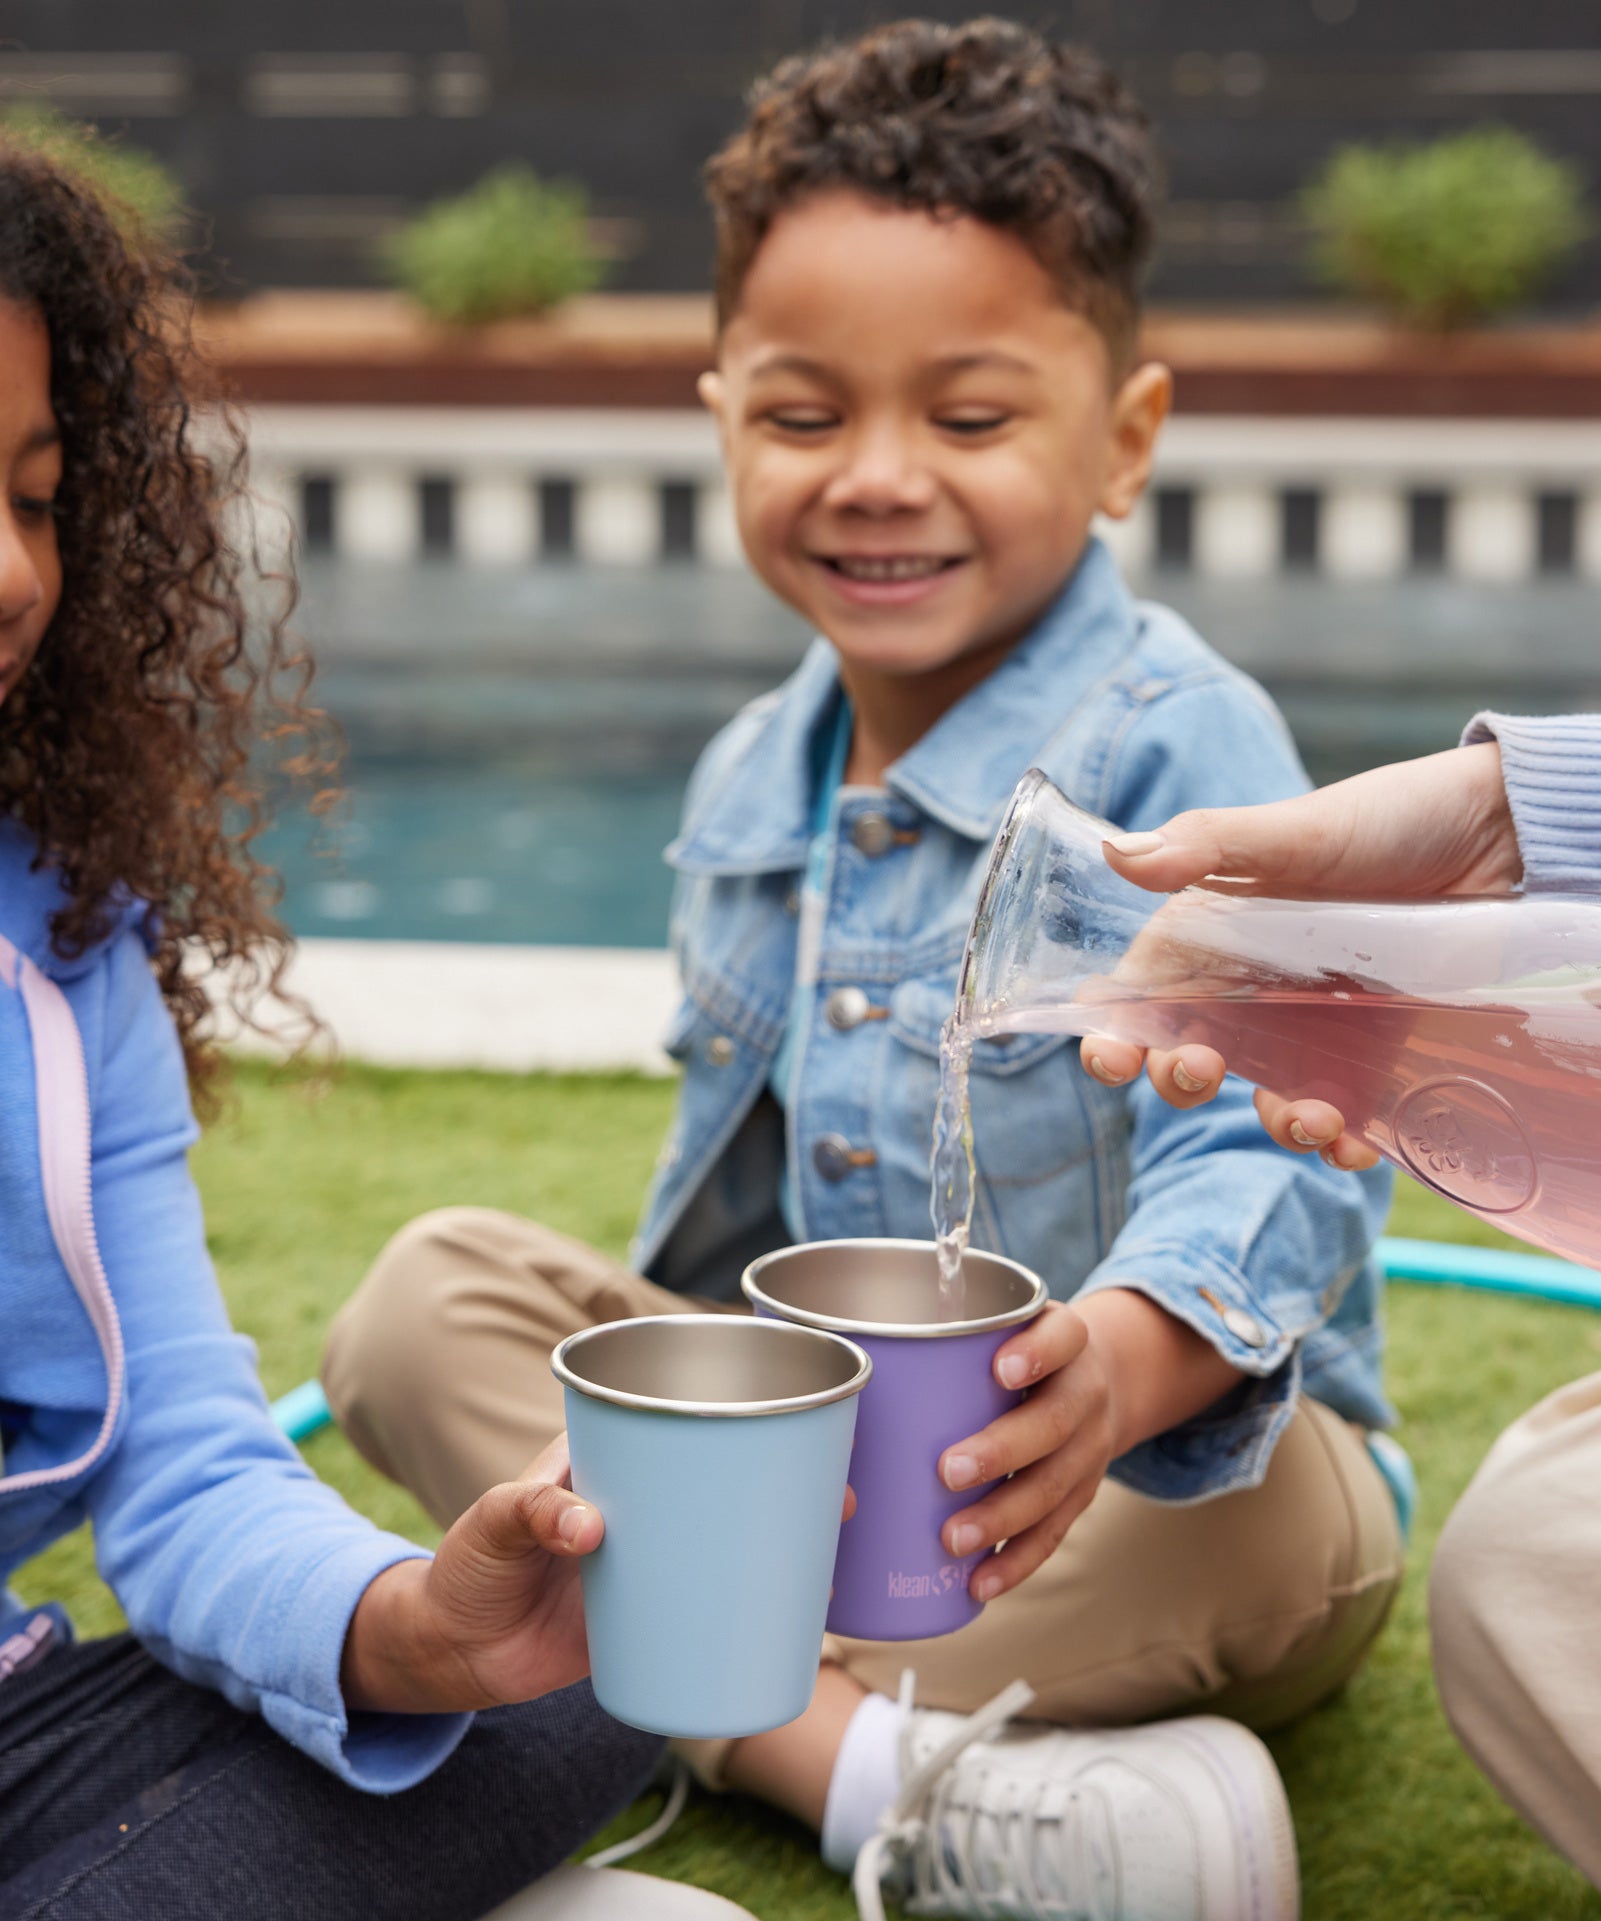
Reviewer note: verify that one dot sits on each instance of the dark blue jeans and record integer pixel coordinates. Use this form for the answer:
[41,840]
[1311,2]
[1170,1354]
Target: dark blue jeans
[127,1794]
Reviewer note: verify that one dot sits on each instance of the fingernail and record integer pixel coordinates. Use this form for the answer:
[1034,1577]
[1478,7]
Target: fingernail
[984,1587]
[961,1470]
[1013,1370]
[1299,1135]
[1102,1072]
[1133,845]
[572,1520]
[1191,1083]
[965,1539]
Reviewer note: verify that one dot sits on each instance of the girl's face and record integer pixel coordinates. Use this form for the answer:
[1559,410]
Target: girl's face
[30,474]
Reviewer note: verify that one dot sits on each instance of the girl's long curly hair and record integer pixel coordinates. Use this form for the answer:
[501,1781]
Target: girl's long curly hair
[133,747]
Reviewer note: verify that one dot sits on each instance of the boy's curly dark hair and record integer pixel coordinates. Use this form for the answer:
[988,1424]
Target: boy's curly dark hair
[988,119]
[129,748]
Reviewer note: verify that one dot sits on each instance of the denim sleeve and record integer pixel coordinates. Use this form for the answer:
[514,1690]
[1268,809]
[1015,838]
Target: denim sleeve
[1250,1246]
[1552,770]
[234,1564]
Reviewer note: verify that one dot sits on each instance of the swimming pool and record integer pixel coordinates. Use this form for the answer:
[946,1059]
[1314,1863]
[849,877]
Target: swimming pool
[518,743]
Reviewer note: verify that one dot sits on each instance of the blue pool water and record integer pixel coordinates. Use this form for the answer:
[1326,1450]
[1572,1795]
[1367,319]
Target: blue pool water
[504,852]
[518,744]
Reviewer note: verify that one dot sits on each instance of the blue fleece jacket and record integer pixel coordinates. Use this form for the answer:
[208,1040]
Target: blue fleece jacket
[128,1400]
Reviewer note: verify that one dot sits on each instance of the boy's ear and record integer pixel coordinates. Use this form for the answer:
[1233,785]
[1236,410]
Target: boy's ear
[1139,407]
[713,395]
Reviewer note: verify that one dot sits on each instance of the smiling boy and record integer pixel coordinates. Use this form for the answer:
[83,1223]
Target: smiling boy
[917,431]
[929,249]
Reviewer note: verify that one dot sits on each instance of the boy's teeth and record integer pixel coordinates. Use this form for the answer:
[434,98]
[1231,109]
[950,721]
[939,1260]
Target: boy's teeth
[901,567]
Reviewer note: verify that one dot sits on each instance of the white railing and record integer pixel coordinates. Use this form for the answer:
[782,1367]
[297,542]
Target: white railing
[1357,499]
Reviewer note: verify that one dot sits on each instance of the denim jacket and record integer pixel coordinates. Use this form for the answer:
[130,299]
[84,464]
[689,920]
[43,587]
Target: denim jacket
[1132,715]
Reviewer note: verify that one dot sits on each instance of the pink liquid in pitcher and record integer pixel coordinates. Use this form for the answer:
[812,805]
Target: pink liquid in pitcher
[1490,1095]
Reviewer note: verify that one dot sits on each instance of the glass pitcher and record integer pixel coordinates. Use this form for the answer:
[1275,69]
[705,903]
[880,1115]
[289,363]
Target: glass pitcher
[1461,1037]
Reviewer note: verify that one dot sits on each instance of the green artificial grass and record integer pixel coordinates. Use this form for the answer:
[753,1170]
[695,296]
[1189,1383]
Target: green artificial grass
[304,1179]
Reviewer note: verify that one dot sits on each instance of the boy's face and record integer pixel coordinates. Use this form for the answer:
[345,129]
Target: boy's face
[918,431]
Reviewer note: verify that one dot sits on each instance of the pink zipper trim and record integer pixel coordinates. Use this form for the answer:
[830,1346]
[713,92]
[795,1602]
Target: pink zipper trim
[61,1096]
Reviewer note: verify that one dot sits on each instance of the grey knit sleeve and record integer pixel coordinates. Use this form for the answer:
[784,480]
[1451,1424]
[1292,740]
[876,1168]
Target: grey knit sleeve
[1552,769]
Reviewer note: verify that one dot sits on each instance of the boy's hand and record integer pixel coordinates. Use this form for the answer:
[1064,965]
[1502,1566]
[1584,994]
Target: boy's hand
[1101,1378]
[495,1617]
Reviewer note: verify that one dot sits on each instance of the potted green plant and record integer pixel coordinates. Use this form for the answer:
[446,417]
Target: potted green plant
[1448,232]
[512,245]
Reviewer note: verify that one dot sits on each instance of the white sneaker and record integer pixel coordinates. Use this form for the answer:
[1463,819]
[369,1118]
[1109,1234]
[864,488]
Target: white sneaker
[610,1894]
[1183,1820]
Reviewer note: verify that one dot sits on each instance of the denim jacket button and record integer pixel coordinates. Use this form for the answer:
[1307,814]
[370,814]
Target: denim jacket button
[720,1050]
[1244,1327]
[873,834]
[834,1157]
[846,1007]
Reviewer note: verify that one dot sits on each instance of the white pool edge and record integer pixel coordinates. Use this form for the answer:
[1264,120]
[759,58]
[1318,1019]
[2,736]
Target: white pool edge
[456,1004]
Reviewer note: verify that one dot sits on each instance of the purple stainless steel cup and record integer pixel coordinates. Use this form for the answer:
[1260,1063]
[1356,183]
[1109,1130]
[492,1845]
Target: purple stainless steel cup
[933,1383]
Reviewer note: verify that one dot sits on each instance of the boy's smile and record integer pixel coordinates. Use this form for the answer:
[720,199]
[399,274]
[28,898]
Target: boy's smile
[918,431]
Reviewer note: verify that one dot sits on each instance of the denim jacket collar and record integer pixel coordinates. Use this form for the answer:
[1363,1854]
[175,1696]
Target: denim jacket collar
[961,773]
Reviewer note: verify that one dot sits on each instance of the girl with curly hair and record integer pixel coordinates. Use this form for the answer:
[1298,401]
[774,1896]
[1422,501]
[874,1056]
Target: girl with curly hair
[288,1726]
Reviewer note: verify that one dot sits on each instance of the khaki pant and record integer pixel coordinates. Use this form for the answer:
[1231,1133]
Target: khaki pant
[1257,1604]
[1515,1607]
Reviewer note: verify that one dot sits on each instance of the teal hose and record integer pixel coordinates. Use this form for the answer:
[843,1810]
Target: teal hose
[304,1410]
[1446,1264]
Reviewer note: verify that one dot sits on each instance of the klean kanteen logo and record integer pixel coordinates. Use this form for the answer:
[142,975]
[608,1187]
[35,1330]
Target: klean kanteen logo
[920,1587]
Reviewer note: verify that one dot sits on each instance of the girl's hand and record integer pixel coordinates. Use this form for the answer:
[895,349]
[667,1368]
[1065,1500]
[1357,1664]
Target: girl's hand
[1439,825]
[1101,1377]
[495,1617]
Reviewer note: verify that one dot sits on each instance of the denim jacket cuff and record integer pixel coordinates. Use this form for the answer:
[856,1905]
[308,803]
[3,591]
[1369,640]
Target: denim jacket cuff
[1229,1445]
[1205,1292]
[1226,1448]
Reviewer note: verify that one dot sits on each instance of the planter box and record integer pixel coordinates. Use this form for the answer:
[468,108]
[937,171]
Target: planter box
[354,349]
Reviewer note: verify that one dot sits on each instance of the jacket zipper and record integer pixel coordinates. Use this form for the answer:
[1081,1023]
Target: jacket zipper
[61,1098]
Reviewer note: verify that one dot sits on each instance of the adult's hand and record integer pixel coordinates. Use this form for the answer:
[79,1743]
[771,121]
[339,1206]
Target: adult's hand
[496,1616]
[1440,825]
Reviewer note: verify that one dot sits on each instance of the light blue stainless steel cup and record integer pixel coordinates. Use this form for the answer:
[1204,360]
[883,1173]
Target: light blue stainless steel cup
[716,1448]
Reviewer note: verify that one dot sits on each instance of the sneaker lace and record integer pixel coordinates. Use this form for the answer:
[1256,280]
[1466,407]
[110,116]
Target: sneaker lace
[677,1795]
[930,1838]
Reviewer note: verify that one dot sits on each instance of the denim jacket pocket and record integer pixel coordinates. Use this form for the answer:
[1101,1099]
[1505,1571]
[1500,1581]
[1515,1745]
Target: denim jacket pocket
[1030,1122]
[919,1009]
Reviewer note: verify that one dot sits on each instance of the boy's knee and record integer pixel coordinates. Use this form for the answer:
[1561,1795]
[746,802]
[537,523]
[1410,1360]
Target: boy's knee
[384,1343]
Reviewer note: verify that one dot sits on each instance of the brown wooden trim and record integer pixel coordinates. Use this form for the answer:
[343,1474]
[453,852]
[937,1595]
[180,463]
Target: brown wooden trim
[647,352]
[1397,393]
[466,383]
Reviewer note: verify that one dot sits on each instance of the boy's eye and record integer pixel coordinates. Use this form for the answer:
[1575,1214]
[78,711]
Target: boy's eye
[973,423]
[802,420]
[31,507]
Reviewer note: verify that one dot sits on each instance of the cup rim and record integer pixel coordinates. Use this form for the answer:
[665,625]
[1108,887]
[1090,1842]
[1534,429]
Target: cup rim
[706,1410]
[895,1330]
